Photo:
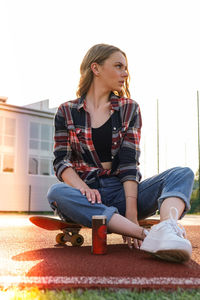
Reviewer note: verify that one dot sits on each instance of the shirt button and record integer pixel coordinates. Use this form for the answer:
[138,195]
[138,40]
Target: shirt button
[114,128]
[112,157]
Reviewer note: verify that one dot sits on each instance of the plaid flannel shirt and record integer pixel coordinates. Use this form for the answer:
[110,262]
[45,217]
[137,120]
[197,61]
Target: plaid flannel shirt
[74,147]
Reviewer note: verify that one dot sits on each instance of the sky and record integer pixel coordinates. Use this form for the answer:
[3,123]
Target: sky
[42,44]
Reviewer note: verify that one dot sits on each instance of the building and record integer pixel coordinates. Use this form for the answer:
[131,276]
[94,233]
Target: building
[26,154]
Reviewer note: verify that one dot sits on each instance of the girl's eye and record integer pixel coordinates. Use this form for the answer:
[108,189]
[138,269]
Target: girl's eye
[119,66]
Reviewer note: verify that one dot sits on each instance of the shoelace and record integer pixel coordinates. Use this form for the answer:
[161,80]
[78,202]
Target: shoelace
[173,224]
[178,228]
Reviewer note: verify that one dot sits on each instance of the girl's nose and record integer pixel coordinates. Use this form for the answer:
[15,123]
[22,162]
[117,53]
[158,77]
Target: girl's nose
[125,73]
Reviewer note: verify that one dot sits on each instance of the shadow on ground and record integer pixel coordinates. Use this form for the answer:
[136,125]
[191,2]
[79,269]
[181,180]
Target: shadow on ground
[119,261]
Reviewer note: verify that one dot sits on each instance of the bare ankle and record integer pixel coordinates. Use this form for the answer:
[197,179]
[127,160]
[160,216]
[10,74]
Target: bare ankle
[144,233]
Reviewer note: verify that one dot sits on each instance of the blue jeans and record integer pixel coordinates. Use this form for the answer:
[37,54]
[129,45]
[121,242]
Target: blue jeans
[72,205]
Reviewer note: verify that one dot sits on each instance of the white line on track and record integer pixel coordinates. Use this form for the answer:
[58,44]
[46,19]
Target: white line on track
[7,281]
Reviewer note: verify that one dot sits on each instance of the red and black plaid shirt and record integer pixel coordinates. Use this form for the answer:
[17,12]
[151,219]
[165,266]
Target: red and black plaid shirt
[74,146]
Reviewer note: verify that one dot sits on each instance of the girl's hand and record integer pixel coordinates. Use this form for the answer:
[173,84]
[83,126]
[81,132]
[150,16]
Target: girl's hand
[92,195]
[132,242]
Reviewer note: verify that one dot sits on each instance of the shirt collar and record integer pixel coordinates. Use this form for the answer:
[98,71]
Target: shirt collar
[114,102]
[80,102]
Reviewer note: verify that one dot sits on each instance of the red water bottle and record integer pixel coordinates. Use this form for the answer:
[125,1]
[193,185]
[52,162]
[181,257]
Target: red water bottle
[99,235]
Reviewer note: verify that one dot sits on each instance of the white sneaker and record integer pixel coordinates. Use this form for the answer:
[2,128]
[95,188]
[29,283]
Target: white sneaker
[167,241]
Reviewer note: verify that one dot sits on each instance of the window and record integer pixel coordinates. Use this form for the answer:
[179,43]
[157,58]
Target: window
[41,166]
[7,144]
[1,130]
[44,166]
[8,163]
[33,165]
[41,138]
[41,149]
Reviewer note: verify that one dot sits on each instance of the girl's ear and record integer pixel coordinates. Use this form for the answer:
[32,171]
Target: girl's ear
[95,68]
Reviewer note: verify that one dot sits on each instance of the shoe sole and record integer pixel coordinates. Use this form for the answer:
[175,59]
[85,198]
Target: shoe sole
[178,256]
[170,250]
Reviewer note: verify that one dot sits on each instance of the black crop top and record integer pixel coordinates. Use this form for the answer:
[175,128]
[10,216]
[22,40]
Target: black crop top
[102,140]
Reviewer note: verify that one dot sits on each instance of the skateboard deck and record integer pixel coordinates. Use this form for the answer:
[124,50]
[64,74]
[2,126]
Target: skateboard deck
[147,223]
[51,223]
[70,231]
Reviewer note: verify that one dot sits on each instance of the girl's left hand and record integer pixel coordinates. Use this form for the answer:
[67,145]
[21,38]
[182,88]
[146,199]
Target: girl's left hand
[132,242]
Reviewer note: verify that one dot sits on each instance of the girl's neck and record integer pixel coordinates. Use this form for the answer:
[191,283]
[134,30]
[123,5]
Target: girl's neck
[97,98]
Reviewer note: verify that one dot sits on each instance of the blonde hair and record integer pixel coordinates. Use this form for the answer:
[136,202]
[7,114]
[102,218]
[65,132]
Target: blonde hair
[99,53]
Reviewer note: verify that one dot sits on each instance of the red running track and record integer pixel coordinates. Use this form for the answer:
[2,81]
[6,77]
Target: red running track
[29,257]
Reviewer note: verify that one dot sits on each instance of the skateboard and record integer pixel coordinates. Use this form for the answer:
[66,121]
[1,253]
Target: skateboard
[70,231]
[147,223]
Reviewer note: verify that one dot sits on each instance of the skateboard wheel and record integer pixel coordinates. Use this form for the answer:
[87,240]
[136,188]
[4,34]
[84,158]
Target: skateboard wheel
[60,238]
[77,240]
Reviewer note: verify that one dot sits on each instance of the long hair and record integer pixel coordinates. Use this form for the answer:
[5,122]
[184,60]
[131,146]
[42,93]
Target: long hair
[99,53]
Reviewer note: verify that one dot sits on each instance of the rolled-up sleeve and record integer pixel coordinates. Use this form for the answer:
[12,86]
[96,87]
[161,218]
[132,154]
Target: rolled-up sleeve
[129,152]
[62,148]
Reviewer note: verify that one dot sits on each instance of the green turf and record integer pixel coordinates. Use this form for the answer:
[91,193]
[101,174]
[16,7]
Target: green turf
[123,294]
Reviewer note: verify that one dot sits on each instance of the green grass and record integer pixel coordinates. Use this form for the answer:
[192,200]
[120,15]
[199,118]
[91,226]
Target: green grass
[122,294]
[195,202]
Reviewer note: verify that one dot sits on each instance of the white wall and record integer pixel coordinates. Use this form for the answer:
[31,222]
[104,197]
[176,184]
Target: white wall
[20,191]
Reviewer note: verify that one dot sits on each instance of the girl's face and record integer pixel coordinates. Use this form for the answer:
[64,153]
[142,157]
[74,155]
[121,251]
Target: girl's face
[113,72]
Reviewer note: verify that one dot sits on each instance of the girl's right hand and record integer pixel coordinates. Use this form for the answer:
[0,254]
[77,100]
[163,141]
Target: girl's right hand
[92,195]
